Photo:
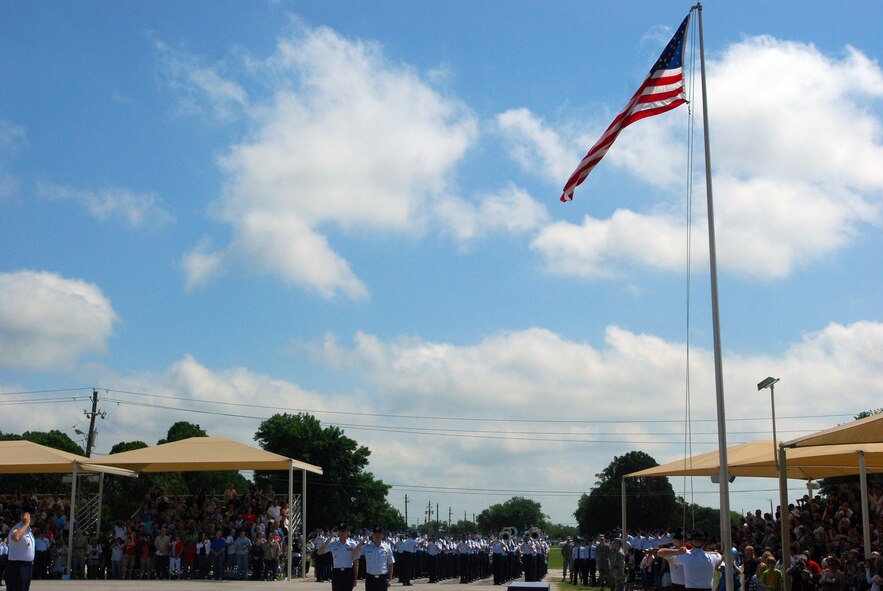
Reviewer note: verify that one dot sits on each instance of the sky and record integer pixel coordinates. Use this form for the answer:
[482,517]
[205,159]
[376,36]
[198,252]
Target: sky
[216,211]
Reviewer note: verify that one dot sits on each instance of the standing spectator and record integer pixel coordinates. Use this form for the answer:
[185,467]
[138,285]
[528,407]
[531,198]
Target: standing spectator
[144,552]
[129,556]
[219,552]
[41,557]
[176,548]
[116,558]
[93,558]
[188,557]
[272,551]
[4,557]
[162,543]
[243,547]
[257,559]
[771,578]
[833,579]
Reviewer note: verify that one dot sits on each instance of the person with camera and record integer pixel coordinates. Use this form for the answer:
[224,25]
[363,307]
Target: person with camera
[22,548]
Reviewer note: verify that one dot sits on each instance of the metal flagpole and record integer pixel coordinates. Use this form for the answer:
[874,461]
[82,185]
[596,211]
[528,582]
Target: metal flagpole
[726,534]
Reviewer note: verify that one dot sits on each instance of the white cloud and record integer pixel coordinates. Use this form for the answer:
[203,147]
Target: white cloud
[200,88]
[536,147]
[201,266]
[135,209]
[518,376]
[798,161]
[511,210]
[49,322]
[348,139]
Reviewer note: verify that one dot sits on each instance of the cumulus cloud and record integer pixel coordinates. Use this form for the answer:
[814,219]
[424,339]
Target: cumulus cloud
[348,139]
[135,209]
[441,402]
[49,322]
[798,165]
[511,210]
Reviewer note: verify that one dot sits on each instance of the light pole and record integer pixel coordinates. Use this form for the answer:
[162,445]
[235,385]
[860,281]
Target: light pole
[771,383]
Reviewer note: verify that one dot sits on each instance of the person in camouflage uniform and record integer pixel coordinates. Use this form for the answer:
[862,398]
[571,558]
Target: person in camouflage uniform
[567,555]
[618,567]
[602,558]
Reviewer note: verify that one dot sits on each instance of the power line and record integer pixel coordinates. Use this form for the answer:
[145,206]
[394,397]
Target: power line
[424,431]
[445,418]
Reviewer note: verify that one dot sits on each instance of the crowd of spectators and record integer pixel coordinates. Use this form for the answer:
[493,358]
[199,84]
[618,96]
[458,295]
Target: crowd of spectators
[826,551]
[218,536]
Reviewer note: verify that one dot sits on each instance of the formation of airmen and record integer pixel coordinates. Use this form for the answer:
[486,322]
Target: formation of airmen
[471,557]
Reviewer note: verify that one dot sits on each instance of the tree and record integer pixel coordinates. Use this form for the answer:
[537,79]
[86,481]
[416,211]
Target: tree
[345,490]
[651,501]
[183,430]
[518,512]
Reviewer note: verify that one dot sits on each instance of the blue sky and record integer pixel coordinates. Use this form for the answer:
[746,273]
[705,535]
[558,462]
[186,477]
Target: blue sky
[353,208]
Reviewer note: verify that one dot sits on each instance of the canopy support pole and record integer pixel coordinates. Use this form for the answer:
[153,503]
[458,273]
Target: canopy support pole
[625,531]
[866,519]
[784,515]
[290,508]
[100,503]
[72,524]
[303,526]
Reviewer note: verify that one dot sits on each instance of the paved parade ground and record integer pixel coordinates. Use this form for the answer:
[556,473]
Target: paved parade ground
[197,585]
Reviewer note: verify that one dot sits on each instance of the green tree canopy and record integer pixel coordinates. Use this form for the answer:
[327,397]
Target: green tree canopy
[517,512]
[346,491]
[183,430]
[651,501]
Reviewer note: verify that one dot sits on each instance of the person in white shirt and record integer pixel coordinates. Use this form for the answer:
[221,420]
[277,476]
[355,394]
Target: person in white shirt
[379,561]
[21,553]
[345,568]
[698,564]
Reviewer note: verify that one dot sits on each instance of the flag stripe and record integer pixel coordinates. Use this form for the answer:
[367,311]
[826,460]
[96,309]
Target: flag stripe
[661,91]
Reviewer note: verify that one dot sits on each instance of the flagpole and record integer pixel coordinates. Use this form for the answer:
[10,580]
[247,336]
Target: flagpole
[726,534]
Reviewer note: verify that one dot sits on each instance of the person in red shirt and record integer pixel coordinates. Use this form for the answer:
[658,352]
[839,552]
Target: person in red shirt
[188,558]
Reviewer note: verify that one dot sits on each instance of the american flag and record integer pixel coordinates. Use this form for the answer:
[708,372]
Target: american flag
[662,90]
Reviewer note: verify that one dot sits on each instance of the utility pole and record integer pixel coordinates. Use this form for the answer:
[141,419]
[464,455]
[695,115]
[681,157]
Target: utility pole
[450,511]
[90,441]
[406,511]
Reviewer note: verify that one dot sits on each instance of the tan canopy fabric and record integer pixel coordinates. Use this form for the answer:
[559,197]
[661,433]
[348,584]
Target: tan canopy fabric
[866,430]
[755,459]
[200,454]
[27,457]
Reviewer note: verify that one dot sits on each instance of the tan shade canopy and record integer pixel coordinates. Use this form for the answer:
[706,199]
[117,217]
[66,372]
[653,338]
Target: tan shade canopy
[27,457]
[201,454]
[866,430]
[755,459]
